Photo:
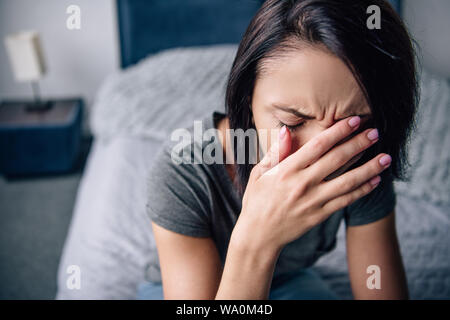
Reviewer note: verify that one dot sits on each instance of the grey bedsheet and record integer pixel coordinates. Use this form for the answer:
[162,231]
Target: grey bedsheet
[110,238]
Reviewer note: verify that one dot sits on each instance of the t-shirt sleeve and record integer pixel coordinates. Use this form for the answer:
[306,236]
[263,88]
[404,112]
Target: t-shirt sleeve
[373,206]
[177,196]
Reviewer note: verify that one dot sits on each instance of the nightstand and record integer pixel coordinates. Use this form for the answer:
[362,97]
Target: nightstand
[34,142]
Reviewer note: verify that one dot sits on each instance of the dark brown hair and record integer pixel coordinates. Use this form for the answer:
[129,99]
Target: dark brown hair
[381,60]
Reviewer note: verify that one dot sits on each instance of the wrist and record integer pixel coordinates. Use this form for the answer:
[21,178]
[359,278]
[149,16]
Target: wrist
[247,272]
[246,244]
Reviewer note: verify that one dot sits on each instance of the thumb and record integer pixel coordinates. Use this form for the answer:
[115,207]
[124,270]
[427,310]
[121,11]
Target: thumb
[278,151]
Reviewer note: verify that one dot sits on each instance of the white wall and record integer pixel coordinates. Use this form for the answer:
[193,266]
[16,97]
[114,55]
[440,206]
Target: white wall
[77,60]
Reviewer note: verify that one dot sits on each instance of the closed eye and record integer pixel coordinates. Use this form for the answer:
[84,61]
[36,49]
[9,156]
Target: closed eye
[291,127]
[298,125]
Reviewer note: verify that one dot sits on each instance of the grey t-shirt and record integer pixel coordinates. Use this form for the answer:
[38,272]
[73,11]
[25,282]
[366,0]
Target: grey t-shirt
[200,200]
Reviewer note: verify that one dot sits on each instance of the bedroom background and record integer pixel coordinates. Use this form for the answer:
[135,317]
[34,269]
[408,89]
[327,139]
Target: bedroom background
[93,215]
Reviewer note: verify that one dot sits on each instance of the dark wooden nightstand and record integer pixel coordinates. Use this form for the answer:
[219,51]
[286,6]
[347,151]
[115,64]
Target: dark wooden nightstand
[33,142]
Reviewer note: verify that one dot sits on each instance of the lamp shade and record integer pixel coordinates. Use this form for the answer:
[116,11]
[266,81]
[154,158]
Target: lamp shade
[25,56]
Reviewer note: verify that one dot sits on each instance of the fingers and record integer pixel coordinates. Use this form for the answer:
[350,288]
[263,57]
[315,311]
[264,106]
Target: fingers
[347,199]
[278,151]
[319,145]
[342,154]
[345,189]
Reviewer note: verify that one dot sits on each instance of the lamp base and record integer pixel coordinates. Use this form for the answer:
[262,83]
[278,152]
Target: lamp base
[38,106]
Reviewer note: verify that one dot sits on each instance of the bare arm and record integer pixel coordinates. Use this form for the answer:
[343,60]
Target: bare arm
[191,268]
[376,244]
[248,271]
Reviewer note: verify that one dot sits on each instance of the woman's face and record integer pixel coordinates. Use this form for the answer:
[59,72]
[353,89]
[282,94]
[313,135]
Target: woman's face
[307,90]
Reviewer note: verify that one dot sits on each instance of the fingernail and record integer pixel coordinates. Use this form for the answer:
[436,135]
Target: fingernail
[373,134]
[282,132]
[376,180]
[354,121]
[385,160]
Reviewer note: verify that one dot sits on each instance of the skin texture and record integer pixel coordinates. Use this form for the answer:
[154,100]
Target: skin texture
[310,81]
[277,208]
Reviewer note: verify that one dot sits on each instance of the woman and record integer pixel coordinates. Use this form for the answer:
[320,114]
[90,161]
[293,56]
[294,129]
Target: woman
[342,98]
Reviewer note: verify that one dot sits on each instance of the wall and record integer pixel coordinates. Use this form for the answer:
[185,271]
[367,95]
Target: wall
[429,23]
[77,60]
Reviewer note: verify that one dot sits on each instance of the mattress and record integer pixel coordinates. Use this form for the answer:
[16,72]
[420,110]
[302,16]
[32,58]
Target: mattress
[110,238]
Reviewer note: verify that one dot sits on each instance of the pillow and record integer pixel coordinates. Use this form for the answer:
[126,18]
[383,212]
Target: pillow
[429,150]
[163,92]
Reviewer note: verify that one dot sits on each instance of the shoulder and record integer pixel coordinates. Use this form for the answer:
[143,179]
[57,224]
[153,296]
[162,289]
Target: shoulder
[179,186]
[183,153]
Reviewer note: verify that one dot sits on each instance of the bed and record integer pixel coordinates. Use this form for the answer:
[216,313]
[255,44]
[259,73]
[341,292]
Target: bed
[162,87]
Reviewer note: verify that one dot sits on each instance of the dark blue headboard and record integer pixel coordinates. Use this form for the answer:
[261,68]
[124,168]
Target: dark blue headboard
[397,4]
[149,26]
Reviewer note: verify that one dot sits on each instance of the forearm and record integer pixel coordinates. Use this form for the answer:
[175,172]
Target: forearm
[384,253]
[247,273]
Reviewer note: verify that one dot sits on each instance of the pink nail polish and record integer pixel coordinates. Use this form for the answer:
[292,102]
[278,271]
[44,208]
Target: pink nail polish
[354,121]
[385,160]
[374,181]
[373,134]
[283,132]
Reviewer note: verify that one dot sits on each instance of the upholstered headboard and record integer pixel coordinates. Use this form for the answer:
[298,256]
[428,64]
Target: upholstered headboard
[149,26]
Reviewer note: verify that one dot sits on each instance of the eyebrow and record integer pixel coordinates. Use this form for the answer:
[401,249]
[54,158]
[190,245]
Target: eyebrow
[310,117]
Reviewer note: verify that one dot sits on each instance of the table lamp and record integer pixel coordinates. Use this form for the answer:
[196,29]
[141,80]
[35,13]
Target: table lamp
[27,62]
